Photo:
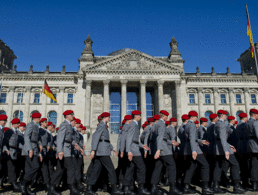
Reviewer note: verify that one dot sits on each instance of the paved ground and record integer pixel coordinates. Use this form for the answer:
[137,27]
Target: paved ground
[7,190]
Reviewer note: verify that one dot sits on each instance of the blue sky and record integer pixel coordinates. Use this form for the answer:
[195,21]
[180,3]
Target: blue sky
[210,33]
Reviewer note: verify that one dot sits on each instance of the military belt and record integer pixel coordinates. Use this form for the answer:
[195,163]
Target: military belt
[69,142]
[13,147]
[135,142]
[104,140]
[217,139]
[165,140]
[35,142]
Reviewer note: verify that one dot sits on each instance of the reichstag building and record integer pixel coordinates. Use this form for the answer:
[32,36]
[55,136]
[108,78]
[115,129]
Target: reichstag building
[123,81]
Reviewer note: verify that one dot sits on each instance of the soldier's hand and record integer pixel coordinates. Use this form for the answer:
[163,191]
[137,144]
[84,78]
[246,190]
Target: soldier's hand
[82,152]
[60,155]
[40,148]
[233,148]
[7,152]
[92,154]
[194,155]
[204,142]
[40,158]
[76,147]
[130,156]
[145,155]
[122,154]
[53,148]
[175,143]
[48,148]
[31,153]
[227,155]
[145,147]
[157,155]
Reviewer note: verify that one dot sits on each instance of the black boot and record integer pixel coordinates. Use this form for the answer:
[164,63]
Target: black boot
[81,187]
[16,187]
[217,189]
[167,182]
[120,185]
[1,182]
[142,190]
[188,190]
[30,192]
[89,190]
[155,190]
[238,189]
[246,185]
[128,191]
[206,189]
[52,190]
[116,191]
[74,190]
[173,189]
[24,188]
[255,186]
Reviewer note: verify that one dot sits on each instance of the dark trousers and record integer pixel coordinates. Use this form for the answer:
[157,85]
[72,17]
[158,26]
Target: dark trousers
[169,163]
[31,167]
[20,167]
[78,172]
[150,165]
[121,168]
[99,162]
[192,164]
[244,166]
[254,167]
[45,170]
[12,169]
[50,165]
[58,173]
[234,167]
[140,171]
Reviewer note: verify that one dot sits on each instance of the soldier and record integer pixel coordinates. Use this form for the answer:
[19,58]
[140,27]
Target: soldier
[224,152]
[195,155]
[10,147]
[252,146]
[235,125]
[202,134]
[241,149]
[32,152]
[3,120]
[231,131]
[50,154]
[197,125]
[20,158]
[101,152]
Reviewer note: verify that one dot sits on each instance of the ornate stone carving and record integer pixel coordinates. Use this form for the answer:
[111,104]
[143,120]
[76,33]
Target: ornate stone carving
[160,83]
[228,72]
[47,69]
[63,70]
[31,69]
[14,69]
[19,89]
[88,44]
[61,88]
[36,89]
[143,82]
[124,81]
[88,82]
[213,72]
[198,71]
[106,82]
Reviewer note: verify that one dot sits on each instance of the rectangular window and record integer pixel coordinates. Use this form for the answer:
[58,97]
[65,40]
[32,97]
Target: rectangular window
[52,101]
[223,98]
[253,98]
[3,98]
[36,98]
[238,99]
[70,98]
[207,99]
[191,99]
[19,97]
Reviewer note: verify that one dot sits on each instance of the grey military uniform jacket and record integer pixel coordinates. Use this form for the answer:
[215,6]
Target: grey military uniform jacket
[76,140]
[153,139]
[211,137]
[221,145]
[31,139]
[147,136]
[252,133]
[21,141]
[45,140]
[231,131]
[65,139]
[173,137]
[181,136]
[132,139]
[242,138]
[123,137]
[202,135]
[119,140]
[11,143]
[1,139]
[100,141]
[192,141]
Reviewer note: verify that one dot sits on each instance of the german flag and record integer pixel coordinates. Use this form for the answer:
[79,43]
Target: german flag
[48,92]
[249,32]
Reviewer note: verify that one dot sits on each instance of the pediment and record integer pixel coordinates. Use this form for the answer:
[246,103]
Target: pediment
[134,60]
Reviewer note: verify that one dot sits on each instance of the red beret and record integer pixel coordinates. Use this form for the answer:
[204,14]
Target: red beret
[99,117]
[83,128]
[193,113]
[123,122]
[212,116]
[128,117]
[105,114]
[136,112]
[236,122]
[146,123]
[231,118]
[67,112]
[156,117]
[78,121]
[107,126]
[242,115]
[150,119]
[121,127]
[164,112]
[22,124]
[36,115]
[57,129]
[185,117]
[143,125]
[254,111]
[222,112]
[167,122]
[42,120]
[50,123]
[53,125]
[74,119]
[5,129]
[203,119]
[3,117]
[15,121]
[196,122]
[173,119]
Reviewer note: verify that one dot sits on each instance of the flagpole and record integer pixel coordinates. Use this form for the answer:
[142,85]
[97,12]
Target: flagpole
[255,54]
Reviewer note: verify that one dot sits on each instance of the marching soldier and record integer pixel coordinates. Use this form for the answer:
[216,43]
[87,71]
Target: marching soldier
[231,131]
[20,158]
[50,154]
[3,120]
[10,147]
[202,134]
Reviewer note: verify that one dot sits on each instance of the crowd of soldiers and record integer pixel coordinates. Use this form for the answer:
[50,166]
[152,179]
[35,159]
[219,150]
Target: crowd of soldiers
[31,154]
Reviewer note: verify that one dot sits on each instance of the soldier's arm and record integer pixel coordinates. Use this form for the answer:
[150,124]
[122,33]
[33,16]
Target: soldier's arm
[223,137]
[192,138]
[122,138]
[161,131]
[27,135]
[200,136]
[7,136]
[96,137]
[60,138]
[256,128]
[129,138]
[49,143]
[146,138]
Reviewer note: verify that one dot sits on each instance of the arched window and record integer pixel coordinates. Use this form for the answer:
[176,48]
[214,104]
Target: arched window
[207,114]
[2,112]
[18,114]
[52,117]
[237,113]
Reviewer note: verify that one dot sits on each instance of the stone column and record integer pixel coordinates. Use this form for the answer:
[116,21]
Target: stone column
[247,100]
[61,105]
[88,104]
[178,101]
[216,99]
[123,98]
[44,105]
[10,105]
[200,102]
[106,96]
[26,117]
[232,101]
[161,94]
[143,100]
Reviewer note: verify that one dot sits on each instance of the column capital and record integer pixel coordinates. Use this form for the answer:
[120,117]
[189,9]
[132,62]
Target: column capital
[200,89]
[231,89]
[11,88]
[61,88]
[88,82]
[246,89]
[27,88]
[106,82]
[178,82]
[215,89]
[123,81]
[160,82]
[143,82]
